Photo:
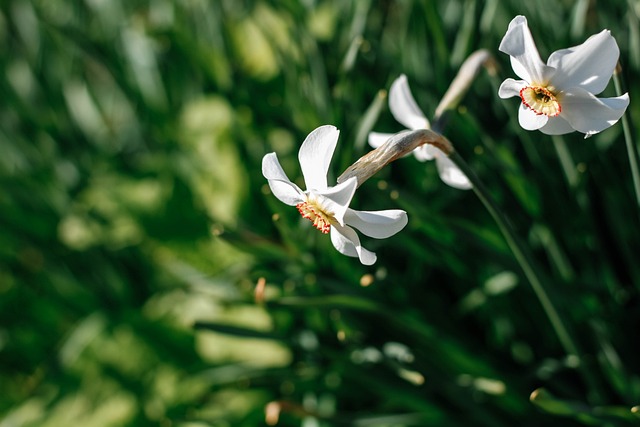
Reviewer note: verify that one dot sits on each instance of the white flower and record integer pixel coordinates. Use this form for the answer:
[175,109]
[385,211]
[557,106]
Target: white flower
[328,207]
[559,97]
[406,111]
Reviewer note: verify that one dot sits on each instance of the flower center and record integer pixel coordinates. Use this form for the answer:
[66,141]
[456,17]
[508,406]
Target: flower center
[314,212]
[540,100]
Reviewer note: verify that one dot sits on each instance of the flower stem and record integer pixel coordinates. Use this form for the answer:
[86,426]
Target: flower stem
[528,266]
[566,161]
[631,149]
[570,170]
[521,253]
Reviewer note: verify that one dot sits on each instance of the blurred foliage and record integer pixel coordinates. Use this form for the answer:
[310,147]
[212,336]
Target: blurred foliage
[148,277]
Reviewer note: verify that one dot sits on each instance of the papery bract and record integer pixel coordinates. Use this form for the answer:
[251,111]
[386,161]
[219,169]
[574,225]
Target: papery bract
[406,111]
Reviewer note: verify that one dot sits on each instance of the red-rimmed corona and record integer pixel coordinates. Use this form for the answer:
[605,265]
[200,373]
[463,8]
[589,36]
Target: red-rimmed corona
[313,210]
[541,100]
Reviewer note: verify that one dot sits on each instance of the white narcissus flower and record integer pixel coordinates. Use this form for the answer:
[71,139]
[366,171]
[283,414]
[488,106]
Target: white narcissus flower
[328,207]
[559,97]
[406,111]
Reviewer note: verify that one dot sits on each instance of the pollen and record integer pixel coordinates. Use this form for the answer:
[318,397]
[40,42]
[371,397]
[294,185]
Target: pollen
[541,100]
[313,211]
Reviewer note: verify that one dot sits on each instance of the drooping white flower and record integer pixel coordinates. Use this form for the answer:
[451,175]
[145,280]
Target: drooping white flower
[328,207]
[406,111]
[559,97]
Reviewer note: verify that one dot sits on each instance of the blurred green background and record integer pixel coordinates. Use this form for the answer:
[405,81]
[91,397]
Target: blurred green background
[136,226]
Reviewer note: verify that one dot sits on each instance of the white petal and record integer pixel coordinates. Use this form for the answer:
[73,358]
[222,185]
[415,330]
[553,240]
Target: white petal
[281,187]
[315,155]
[346,241]
[287,192]
[376,139]
[529,120]
[377,224]
[337,198]
[589,65]
[557,126]
[450,174]
[342,243]
[404,108]
[271,168]
[590,115]
[425,152]
[525,59]
[510,88]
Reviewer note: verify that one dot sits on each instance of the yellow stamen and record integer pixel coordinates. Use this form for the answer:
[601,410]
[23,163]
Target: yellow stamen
[314,212]
[541,100]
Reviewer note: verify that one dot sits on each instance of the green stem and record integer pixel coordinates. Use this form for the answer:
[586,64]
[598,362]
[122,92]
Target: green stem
[631,150]
[570,170]
[568,166]
[527,264]
[522,255]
